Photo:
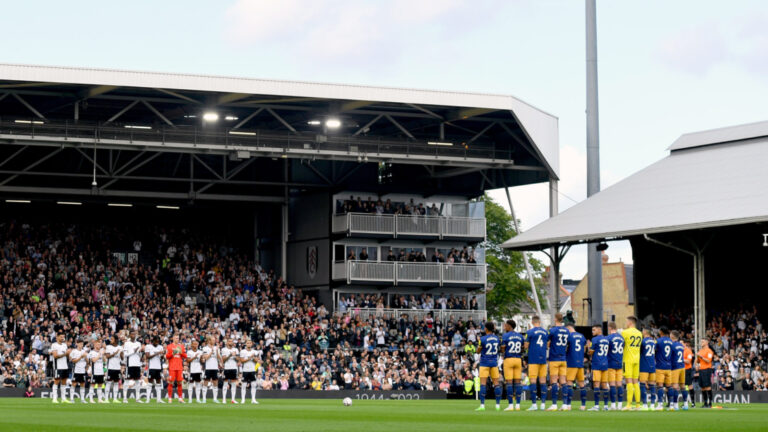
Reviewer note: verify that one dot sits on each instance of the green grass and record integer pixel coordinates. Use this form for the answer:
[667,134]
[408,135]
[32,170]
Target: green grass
[287,415]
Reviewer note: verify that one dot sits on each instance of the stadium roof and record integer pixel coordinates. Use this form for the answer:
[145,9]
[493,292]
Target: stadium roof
[436,140]
[710,179]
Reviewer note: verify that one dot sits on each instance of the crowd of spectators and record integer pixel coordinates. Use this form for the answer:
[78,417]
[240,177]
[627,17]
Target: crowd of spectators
[388,207]
[426,302]
[65,278]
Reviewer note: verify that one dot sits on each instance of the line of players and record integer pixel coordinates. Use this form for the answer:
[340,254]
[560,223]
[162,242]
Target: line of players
[106,362]
[652,367]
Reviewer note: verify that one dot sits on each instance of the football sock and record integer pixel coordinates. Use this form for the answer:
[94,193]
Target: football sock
[630,392]
[82,393]
[620,393]
[553,394]
[709,397]
[205,393]
[224,389]
[651,393]
[63,392]
[597,396]
[606,396]
[191,390]
[253,390]
[660,395]
[170,389]
[497,393]
[637,391]
[518,392]
[100,393]
[180,390]
[159,391]
[671,396]
[481,395]
[55,392]
[243,390]
[215,392]
[137,389]
[643,394]
[693,395]
[685,395]
[510,393]
[612,390]
[541,389]
[534,389]
[583,392]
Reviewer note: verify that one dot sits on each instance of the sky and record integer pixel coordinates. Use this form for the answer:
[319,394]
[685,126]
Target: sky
[665,67]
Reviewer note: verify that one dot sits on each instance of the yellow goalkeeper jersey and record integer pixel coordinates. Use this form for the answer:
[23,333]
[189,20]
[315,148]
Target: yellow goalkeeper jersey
[632,340]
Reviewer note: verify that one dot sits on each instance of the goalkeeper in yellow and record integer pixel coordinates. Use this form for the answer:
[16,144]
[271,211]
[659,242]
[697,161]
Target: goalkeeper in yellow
[633,338]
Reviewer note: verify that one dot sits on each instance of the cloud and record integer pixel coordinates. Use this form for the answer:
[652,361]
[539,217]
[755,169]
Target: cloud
[335,28]
[742,42]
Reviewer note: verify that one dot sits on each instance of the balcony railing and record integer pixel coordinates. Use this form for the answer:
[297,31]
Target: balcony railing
[409,225]
[399,272]
[441,315]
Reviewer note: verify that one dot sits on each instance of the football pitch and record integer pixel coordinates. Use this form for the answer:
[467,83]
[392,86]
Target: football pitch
[288,415]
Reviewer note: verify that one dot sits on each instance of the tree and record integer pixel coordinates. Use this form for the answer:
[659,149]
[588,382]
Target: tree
[509,288]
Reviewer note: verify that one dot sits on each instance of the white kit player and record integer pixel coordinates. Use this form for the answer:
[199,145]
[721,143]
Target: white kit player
[59,352]
[113,354]
[229,358]
[155,353]
[194,356]
[96,359]
[211,361]
[133,352]
[250,365]
[79,357]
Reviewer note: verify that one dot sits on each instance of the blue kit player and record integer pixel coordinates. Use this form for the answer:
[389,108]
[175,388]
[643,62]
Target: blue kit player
[536,340]
[574,359]
[489,365]
[599,347]
[512,345]
[558,344]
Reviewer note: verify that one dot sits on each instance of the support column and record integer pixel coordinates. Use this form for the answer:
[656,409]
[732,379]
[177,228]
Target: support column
[696,264]
[256,257]
[594,258]
[554,266]
[284,228]
[701,326]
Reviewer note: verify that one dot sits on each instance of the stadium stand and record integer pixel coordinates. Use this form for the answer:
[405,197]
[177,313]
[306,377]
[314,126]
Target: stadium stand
[63,278]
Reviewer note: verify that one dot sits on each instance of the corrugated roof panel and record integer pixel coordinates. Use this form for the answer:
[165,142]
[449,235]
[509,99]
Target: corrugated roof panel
[698,188]
[721,135]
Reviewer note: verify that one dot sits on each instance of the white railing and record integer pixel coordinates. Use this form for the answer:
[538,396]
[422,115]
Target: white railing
[371,223]
[418,272]
[463,227]
[339,270]
[442,315]
[397,272]
[409,225]
[418,225]
[340,223]
[370,271]
[464,273]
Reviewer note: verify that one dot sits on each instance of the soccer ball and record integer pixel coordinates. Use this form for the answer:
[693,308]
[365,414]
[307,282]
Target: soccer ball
[347,401]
